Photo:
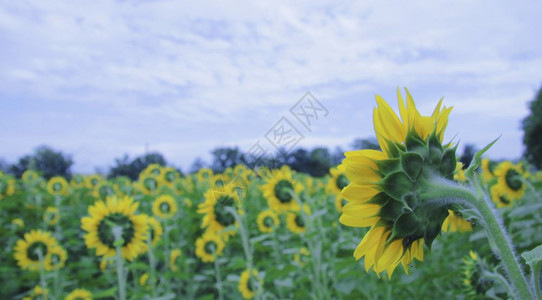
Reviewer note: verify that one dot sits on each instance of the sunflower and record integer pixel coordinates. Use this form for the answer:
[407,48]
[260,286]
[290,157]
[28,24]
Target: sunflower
[204,174]
[144,279]
[249,284]
[51,215]
[510,180]
[337,182]
[168,176]
[339,202]
[216,216]
[164,207]
[30,176]
[295,221]
[55,258]
[500,198]
[173,257]
[7,186]
[58,186]
[103,190]
[18,222]
[79,294]
[209,246]
[37,293]
[148,183]
[155,229]
[104,216]
[152,170]
[267,221]
[488,169]
[300,255]
[91,181]
[77,181]
[459,174]
[26,250]
[455,222]
[386,189]
[475,281]
[277,190]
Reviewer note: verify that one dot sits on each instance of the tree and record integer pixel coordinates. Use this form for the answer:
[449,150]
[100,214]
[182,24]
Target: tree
[366,143]
[197,165]
[124,167]
[532,131]
[224,158]
[45,160]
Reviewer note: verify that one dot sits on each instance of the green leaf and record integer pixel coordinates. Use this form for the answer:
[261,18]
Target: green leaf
[109,293]
[533,257]
[477,159]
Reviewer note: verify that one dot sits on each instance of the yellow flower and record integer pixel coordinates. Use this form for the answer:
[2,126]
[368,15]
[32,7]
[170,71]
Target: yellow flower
[155,230]
[144,279]
[488,168]
[30,176]
[337,182]
[26,250]
[295,221]
[204,175]
[58,186]
[18,222]
[51,216]
[209,246]
[175,254]
[7,186]
[216,217]
[500,198]
[55,258]
[148,183]
[459,174]
[386,187]
[455,222]
[510,180]
[339,202]
[249,284]
[267,221]
[79,294]
[115,212]
[37,293]
[277,190]
[164,207]
[168,176]
[91,181]
[77,181]
[103,190]
[152,170]
[298,257]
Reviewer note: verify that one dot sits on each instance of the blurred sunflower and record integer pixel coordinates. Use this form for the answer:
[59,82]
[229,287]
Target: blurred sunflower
[249,284]
[37,293]
[510,180]
[58,186]
[103,190]
[386,190]
[267,221]
[168,176]
[173,257]
[51,215]
[155,230]
[79,294]
[164,207]
[488,168]
[104,216]
[30,176]
[455,222]
[277,190]
[295,221]
[55,258]
[7,186]
[299,256]
[77,181]
[91,181]
[209,246]
[459,174]
[204,175]
[18,222]
[500,198]
[148,183]
[216,217]
[337,182]
[26,250]
[152,170]
[144,279]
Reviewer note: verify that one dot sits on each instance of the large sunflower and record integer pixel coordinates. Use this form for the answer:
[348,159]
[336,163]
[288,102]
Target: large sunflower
[277,190]
[26,250]
[104,216]
[209,246]
[510,180]
[267,221]
[249,283]
[164,207]
[216,216]
[386,190]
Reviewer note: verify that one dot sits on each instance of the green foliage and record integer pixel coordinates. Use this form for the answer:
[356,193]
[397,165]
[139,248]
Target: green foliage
[46,161]
[532,127]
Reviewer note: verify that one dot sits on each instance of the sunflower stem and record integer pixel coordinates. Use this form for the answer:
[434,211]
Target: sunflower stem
[499,239]
[152,266]
[43,283]
[218,279]
[117,233]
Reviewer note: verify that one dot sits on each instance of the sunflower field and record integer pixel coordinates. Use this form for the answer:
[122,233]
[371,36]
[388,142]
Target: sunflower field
[404,222]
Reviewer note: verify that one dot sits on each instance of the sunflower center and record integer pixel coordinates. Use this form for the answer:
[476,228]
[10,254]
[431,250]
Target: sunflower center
[94,182]
[282,191]
[105,229]
[150,183]
[164,207]
[504,200]
[170,176]
[513,180]
[55,259]
[57,187]
[32,250]
[342,181]
[210,247]
[299,221]
[221,215]
[268,222]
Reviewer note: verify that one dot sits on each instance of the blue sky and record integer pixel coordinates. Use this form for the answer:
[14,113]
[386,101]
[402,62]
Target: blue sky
[98,79]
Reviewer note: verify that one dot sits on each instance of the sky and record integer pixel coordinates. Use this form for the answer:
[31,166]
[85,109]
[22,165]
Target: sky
[100,79]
